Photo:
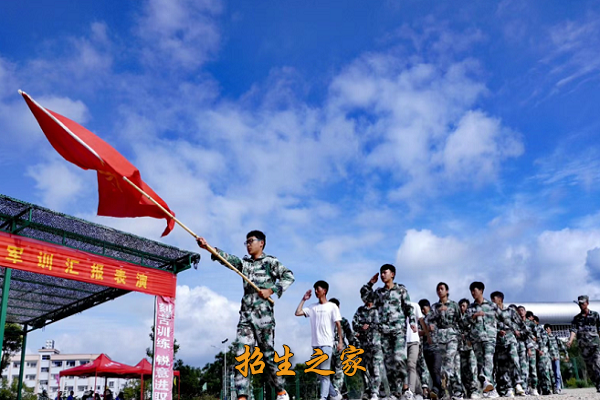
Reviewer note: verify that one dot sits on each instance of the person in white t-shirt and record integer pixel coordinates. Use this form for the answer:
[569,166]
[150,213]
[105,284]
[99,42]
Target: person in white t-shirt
[324,318]
[412,349]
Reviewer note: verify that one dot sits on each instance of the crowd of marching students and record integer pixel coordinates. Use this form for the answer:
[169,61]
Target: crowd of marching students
[445,350]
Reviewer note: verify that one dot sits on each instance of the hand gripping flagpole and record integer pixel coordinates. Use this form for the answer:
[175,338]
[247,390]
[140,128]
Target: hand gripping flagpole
[209,248]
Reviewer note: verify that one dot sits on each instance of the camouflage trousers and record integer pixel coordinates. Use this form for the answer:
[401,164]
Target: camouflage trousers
[484,351]
[372,359]
[532,363]
[264,338]
[468,371]
[544,372]
[591,356]
[508,367]
[336,365]
[393,346]
[422,369]
[451,367]
[523,362]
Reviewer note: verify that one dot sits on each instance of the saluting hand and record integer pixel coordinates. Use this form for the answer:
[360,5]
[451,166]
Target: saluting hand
[307,295]
[374,278]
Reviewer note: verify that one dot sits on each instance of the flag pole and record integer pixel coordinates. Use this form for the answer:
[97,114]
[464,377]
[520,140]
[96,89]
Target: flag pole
[209,248]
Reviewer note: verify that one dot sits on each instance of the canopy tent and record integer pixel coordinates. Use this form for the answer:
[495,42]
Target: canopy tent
[101,366]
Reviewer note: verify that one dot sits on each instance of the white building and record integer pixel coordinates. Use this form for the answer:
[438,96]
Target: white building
[41,372]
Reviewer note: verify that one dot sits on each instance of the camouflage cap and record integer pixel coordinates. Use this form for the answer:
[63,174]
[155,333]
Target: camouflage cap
[583,299]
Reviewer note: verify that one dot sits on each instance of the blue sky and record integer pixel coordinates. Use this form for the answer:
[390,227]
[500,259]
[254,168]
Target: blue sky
[457,141]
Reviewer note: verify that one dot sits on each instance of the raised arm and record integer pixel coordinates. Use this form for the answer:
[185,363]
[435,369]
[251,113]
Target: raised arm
[299,312]
[233,260]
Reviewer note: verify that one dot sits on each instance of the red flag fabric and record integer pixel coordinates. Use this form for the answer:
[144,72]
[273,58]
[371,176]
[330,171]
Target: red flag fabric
[81,147]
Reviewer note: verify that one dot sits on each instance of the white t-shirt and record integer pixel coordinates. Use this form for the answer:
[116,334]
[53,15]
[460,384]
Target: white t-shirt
[322,322]
[410,335]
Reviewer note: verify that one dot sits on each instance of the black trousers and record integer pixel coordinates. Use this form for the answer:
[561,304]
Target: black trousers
[433,359]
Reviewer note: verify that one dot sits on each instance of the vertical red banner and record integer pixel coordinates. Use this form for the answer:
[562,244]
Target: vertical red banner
[164,339]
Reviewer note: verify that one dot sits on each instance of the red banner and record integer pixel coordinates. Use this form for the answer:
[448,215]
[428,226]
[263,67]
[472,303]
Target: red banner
[164,342]
[32,255]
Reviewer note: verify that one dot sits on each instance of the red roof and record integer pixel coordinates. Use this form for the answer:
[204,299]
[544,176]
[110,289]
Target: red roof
[101,366]
[145,368]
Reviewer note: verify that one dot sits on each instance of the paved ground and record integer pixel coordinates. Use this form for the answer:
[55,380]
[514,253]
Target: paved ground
[574,394]
[567,394]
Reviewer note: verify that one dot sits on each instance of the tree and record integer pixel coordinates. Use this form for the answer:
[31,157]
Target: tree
[189,380]
[13,339]
[9,392]
[212,373]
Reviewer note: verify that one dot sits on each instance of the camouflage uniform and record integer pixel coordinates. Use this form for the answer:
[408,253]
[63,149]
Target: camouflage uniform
[586,327]
[257,319]
[524,342]
[393,307]
[336,361]
[508,368]
[433,359]
[369,341]
[447,324]
[468,361]
[543,360]
[483,332]
[532,360]
[556,346]
[422,369]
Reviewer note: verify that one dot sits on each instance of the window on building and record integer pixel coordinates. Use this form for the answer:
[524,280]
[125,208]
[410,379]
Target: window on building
[71,363]
[111,384]
[45,369]
[32,364]
[57,363]
[46,357]
[69,388]
[54,376]
[81,388]
[54,389]
[44,383]
[30,377]
[81,362]
[16,364]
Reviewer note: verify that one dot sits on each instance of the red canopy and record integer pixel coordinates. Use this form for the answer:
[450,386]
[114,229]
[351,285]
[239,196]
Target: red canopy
[101,366]
[144,368]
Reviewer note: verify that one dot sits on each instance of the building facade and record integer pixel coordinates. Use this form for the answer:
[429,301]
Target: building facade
[42,369]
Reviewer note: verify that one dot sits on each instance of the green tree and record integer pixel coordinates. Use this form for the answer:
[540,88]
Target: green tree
[9,392]
[212,373]
[13,339]
[189,380]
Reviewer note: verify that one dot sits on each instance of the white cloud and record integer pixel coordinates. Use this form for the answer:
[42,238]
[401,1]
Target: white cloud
[203,319]
[60,184]
[574,56]
[549,266]
[424,131]
[184,32]
[477,146]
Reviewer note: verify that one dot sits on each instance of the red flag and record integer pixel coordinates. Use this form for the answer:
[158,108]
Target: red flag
[86,150]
